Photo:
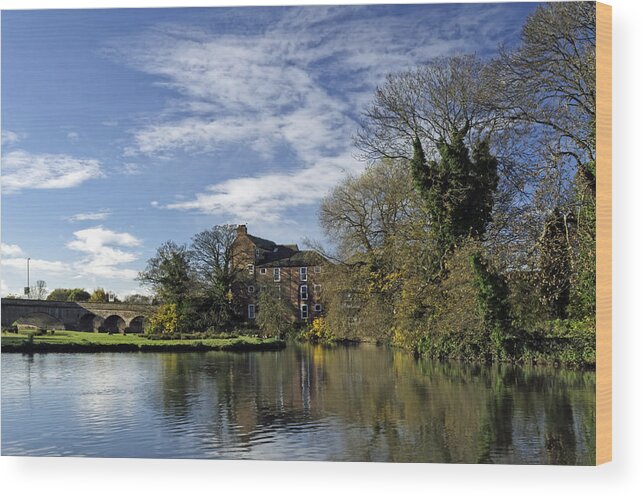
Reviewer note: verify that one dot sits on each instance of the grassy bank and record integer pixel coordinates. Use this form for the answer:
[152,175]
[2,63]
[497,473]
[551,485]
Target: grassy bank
[78,341]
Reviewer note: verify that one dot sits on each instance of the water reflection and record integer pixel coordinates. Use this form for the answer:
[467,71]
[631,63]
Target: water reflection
[360,403]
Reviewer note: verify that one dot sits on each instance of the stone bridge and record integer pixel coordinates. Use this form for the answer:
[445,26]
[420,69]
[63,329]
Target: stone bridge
[81,316]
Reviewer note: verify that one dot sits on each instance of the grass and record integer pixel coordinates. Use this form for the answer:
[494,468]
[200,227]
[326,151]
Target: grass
[79,341]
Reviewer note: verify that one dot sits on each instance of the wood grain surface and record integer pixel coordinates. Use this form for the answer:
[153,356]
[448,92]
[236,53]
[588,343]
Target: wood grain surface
[604,233]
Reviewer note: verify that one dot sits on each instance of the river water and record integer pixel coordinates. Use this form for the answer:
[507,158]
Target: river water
[345,403]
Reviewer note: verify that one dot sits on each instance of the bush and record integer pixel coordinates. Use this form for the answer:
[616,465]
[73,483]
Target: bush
[164,321]
[318,332]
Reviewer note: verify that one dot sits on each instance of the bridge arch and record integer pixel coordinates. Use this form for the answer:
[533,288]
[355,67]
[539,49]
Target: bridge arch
[90,322]
[136,325]
[114,324]
[40,320]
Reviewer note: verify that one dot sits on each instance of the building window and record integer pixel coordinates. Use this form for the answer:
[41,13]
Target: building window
[251,289]
[317,269]
[276,274]
[303,292]
[318,307]
[303,274]
[317,288]
[304,311]
[251,311]
[262,270]
[251,269]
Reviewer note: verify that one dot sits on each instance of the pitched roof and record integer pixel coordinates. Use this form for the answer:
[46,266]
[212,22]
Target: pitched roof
[299,258]
[288,255]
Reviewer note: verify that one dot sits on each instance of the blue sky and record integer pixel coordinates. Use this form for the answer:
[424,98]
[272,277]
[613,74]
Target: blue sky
[124,128]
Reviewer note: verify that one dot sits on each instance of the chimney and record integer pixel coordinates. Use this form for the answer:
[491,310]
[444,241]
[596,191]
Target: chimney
[242,230]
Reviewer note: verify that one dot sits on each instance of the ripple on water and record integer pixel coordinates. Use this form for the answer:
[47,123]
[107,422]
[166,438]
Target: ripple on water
[302,403]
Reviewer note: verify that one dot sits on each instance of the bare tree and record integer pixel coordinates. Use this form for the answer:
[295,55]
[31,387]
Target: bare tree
[550,80]
[212,255]
[39,290]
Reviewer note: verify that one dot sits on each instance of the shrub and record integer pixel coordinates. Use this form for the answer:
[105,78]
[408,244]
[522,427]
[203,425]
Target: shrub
[164,321]
[318,332]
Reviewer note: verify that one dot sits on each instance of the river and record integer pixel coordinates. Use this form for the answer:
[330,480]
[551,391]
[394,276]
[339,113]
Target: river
[345,403]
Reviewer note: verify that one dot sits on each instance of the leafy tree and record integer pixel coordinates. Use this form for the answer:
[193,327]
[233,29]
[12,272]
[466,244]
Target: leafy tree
[137,298]
[165,320]
[78,295]
[168,274]
[458,189]
[493,299]
[554,275]
[275,316]
[99,295]
[59,294]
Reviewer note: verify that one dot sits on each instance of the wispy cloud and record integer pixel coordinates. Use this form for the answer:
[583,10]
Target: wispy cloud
[23,170]
[73,136]
[90,216]
[297,85]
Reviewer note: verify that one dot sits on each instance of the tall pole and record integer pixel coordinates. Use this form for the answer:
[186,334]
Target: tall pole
[28,287]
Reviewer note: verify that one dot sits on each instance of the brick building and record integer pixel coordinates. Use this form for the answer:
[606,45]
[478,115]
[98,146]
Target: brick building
[291,273]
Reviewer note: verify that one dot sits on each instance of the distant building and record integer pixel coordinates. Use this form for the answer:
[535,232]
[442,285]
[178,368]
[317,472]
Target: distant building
[291,273]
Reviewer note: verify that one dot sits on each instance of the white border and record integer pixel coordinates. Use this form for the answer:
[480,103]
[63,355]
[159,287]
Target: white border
[68,477]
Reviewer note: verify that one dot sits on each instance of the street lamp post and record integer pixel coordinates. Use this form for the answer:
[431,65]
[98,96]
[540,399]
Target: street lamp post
[28,288]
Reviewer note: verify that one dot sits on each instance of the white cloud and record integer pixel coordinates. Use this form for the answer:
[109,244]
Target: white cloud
[90,216]
[297,86]
[11,137]
[72,136]
[8,250]
[265,197]
[103,253]
[23,170]
[46,266]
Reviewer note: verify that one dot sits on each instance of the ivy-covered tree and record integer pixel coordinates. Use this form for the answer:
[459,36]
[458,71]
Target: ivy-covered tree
[458,188]
[554,274]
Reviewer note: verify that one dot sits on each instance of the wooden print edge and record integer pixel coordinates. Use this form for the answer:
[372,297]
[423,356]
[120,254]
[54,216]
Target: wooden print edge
[603,233]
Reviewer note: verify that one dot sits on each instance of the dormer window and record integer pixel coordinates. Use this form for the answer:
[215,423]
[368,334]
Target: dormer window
[303,274]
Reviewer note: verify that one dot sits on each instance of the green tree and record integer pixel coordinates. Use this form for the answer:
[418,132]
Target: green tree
[555,268]
[275,316]
[169,274]
[99,295]
[165,320]
[458,189]
[78,295]
[59,294]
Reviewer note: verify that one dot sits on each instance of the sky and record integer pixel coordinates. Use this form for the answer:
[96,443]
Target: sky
[124,128]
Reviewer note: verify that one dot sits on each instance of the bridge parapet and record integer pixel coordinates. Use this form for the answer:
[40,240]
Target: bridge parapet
[88,316]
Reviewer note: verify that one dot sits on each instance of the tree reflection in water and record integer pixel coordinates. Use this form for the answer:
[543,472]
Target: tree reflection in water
[367,403]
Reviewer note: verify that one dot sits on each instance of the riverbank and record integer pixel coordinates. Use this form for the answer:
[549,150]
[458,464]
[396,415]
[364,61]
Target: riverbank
[79,341]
